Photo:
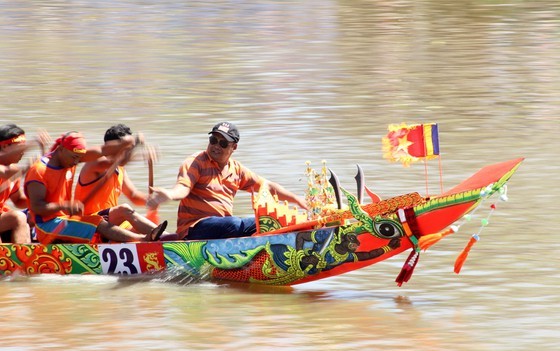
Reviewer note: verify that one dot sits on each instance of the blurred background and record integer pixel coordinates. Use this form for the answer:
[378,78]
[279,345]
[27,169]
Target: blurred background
[304,81]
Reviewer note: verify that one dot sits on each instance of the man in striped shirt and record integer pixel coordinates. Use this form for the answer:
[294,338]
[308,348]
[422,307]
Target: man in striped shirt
[206,185]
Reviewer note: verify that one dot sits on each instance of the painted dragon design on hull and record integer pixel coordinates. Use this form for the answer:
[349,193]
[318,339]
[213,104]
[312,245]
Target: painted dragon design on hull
[360,236]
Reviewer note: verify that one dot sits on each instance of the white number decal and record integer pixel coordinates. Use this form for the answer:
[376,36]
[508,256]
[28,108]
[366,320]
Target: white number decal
[119,259]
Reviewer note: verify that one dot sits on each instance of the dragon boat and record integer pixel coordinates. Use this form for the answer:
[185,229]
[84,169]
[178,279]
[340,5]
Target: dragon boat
[289,247]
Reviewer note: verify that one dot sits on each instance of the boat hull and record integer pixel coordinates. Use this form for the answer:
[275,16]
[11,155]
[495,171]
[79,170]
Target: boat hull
[282,259]
[389,228]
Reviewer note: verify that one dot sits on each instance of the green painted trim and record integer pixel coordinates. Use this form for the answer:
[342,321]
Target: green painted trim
[78,260]
[451,200]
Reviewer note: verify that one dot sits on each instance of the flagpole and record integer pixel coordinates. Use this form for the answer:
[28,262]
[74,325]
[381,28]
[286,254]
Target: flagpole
[440,175]
[426,176]
[425,161]
[440,163]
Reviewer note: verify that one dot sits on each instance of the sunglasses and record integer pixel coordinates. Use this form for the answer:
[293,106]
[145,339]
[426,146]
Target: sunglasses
[223,142]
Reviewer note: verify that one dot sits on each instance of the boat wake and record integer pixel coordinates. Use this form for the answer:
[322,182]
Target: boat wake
[180,276]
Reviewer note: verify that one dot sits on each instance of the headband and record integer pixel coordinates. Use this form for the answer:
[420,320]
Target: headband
[17,139]
[72,141]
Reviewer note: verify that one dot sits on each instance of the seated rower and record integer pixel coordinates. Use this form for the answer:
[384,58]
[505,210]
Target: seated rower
[48,186]
[103,180]
[13,223]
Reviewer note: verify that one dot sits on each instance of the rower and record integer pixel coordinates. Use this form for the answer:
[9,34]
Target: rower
[58,216]
[103,180]
[13,223]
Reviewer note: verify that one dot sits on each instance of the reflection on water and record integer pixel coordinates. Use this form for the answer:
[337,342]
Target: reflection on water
[308,80]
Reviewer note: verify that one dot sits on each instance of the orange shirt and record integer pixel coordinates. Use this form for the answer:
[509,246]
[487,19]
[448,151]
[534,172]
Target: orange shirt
[106,196]
[211,189]
[57,181]
[12,188]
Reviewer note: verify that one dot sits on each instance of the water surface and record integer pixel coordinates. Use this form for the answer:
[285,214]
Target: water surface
[307,80]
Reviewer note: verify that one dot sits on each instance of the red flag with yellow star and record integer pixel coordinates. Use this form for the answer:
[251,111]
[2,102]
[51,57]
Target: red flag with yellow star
[407,144]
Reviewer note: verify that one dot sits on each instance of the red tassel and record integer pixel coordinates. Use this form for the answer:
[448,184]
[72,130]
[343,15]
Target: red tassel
[408,268]
[463,256]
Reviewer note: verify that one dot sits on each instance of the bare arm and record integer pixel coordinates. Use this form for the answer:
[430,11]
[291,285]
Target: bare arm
[9,170]
[37,203]
[94,169]
[132,193]
[161,195]
[19,199]
[286,195]
[110,148]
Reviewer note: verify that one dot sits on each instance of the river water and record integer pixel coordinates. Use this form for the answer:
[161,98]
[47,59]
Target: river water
[304,80]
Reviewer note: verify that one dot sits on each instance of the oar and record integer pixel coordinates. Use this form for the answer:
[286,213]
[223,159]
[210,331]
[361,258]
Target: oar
[152,214]
[41,140]
[9,180]
[19,173]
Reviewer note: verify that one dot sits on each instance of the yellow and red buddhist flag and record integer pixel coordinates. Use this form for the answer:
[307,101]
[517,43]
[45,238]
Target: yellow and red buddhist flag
[407,144]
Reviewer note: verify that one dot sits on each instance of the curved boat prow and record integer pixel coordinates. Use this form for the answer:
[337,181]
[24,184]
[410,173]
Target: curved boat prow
[441,211]
[497,174]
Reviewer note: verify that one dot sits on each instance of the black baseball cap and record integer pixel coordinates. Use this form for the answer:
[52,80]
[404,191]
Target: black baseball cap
[228,130]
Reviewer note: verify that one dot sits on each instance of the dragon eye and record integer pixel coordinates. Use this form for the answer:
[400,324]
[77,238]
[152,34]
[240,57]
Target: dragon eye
[388,229]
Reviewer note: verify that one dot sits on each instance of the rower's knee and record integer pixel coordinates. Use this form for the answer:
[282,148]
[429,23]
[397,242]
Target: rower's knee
[124,210]
[16,223]
[14,218]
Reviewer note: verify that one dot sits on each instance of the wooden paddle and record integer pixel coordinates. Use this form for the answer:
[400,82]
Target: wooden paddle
[42,139]
[7,182]
[151,154]
[19,173]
